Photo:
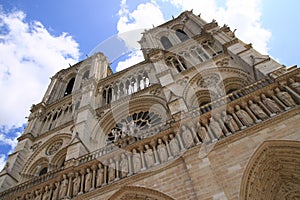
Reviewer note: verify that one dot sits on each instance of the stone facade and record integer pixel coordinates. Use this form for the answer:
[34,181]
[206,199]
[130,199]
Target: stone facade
[205,116]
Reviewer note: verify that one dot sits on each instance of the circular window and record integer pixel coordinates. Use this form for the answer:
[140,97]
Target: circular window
[54,147]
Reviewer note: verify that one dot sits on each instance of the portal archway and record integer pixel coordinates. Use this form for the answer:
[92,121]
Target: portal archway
[138,193]
[273,172]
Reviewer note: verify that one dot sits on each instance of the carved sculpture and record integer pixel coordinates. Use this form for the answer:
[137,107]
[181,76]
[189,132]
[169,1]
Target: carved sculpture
[76,184]
[162,151]
[46,195]
[285,97]
[149,156]
[100,175]
[215,127]
[111,170]
[38,195]
[88,180]
[136,157]
[187,136]
[64,187]
[257,110]
[270,104]
[294,85]
[56,190]
[243,116]
[174,145]
[124,166]
[230,122]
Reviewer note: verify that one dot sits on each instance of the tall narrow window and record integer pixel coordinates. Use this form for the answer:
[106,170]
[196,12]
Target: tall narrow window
[165,42]
[181,35]
[69,87]
[86,74]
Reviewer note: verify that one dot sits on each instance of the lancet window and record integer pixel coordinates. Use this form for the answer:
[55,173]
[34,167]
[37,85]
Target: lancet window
[166,42]
[181,35]
[69,87]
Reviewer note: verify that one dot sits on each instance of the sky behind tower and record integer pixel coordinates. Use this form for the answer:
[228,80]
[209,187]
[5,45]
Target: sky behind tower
[39,38]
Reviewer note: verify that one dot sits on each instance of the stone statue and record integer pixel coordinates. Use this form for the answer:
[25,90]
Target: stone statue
[174,145]
[116,134]
[124,130]
[243,116]
[215,127]
[257,110]
[270,104]
[187,136]
[124,166]
[229,122]
[38,195]
[131,127]
[162,151]
[111,170]
[56,190]
[149,156]
[136,157]
[46,195]
[202,133]
[294,85]
[64,187]
[100,175]
[88,180]
[76,184]
[285,97]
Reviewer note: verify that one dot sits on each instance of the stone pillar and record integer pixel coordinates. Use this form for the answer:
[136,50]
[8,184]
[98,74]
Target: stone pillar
[231,111]
[69,193]
[82,172]
[94,168]
[104,174]
[180,141]
[166,140]
[278,101]
[292,92]
[264,107]
[153,144]
[130,170]
[141,149]
[117,168]
[250,113]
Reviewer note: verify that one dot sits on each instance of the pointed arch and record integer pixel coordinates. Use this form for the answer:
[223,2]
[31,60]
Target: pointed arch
[166,42]
[139,193]
[69,87]
[273,172]
[181,35]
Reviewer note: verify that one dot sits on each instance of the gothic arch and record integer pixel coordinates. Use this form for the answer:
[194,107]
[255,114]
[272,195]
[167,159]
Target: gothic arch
[138,193]
[40,152]
[273,172]
[41,165]
[127,108]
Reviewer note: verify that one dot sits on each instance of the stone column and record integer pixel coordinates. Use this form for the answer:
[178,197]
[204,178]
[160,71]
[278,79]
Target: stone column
[117,168]
[104,174]
[264,107]
[231,111]
[82,172]
[69,192]
[278,101]
[94,168]
[166,140]
[195,135]
[292,92]
[141,149]
[180,141]
[250,113]
[130,170]
[153,144]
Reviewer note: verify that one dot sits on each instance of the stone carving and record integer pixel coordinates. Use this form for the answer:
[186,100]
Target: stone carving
[174,145]
[100,175]
[111,170]
[46,195]
[285,97]
[124,166]
[257,110]
[202,133]
[187,136]
[56,190]
[270,104]
[88,180]
[63,187]
[76,184]
[162,151]
[136,157]
[149,156]
[209,81]
[229,122]
[294,85]
[243,116]
[38,195]
[54,147]
[215,127]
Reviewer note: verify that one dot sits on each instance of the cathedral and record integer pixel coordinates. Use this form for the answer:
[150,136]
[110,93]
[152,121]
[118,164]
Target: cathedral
[204,116]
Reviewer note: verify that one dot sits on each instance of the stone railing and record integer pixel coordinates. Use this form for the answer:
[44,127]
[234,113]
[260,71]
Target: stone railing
[244,109]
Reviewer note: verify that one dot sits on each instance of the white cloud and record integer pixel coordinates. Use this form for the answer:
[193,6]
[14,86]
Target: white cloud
[134,57]
[241,15]
[2,161]
[131,25]
[29,56]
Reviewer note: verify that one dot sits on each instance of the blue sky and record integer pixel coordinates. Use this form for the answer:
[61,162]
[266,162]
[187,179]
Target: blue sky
[38,38]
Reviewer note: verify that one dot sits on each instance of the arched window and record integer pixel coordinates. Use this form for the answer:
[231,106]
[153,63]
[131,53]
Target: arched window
[181,35]
[43,171]
[86,74]
[69,87]
[165,42]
